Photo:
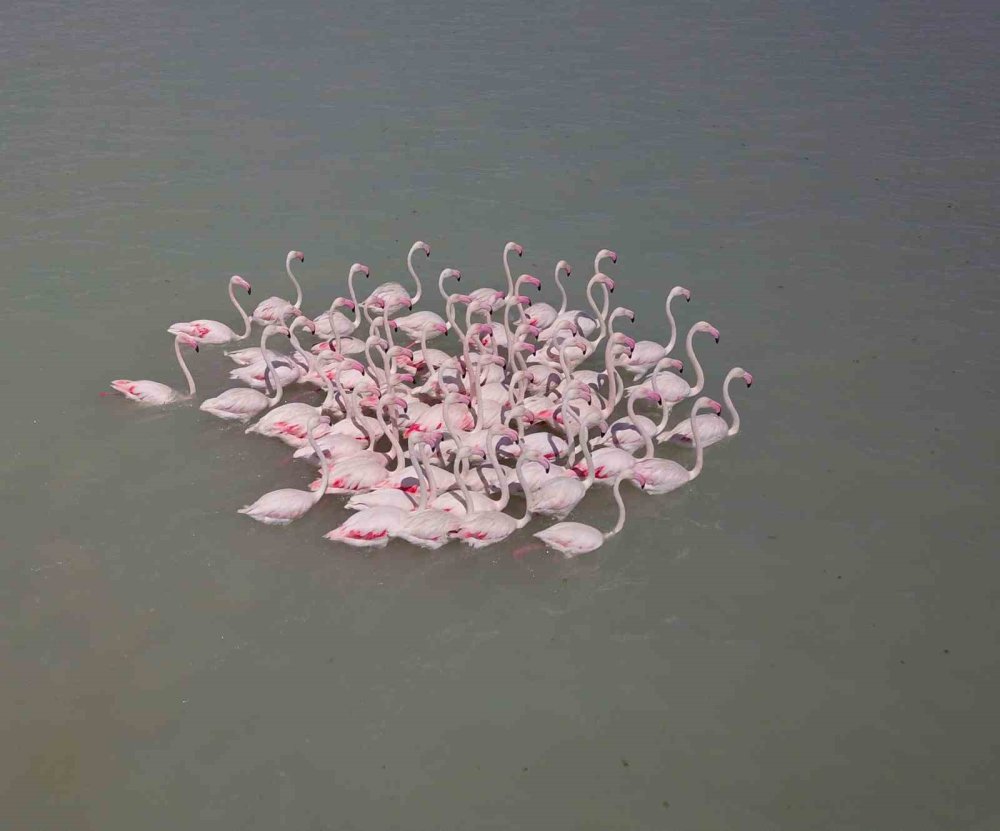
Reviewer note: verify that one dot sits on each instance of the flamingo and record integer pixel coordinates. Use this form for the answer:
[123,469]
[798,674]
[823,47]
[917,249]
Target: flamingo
[647,353]
[711,428]
[481,528]
[664,475]
[241,403]
[393,296]
[426,526]
[212,331]
[275,309]
[493,298]
[543,315]
[673,388]
[611,461]
[153,393]
[557,497]
[574,538]
[333,323]
[286,505]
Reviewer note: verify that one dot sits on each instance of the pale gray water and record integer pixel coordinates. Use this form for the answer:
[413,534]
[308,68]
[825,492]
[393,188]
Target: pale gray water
[804,638]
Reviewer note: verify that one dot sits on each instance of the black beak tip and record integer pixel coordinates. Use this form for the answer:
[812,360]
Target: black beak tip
[716,340]
[196,349]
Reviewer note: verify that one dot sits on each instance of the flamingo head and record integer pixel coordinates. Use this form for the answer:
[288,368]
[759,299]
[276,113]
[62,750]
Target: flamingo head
[346,302]
[674,363]
[705,326]
[531,281]
[607,282]
[565,267]
[350,363]
[747,377]
[236,280]
[440,327]
[452,272]
[680,291]
[296,255]
[360,267]
[604,254]
[186,340]
[649,394]
[420,245]
[706,403]
[530,348]
[521,300]
[400,351]
[513,246]
[621,311]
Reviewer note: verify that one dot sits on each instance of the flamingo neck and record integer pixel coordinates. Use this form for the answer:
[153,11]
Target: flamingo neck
[647,439]
[731,411]
[699,373]
[246,318]
[518,468]
[506,268]
[184,367]
[491,454]
[699,450]
[298,289]
[325,478]
[673,326]
[621,508]
[413,274]
[585,447]
[271,373]
[562,293]
[354,298]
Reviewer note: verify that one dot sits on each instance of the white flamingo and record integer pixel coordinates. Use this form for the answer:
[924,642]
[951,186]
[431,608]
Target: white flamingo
[153,393]
[212,331]
[276,309]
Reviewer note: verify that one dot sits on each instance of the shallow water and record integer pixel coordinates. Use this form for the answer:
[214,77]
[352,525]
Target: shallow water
[803,638]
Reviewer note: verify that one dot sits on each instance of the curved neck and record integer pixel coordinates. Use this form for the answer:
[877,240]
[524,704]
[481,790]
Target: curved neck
[354,297]
[275,380]
[734,416]
[413,274]
[352,413]
[184,368]
[519,472]
[562,292]
[462,470]
[421,481]
[621,508]
[298,289]
[699,373]
[673,326]
[451,312]
[646,438]
[506,268]
[665,406]
[585,446]
[325,479]
[699,451]
[491,453]
[246,318]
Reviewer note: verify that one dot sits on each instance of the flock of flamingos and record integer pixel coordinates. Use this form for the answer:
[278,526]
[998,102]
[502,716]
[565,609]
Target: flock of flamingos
[429,446]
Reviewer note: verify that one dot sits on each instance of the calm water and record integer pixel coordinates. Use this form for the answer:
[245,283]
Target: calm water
[804,638]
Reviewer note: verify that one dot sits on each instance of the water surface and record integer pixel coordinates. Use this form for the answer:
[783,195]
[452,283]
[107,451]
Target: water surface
[803,638]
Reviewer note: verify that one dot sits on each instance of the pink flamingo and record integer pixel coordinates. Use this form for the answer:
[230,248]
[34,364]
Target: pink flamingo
[283,506]
[493,298]
[711,428]
[628,433]
[647,353]
[664,475]
[427,527]
[611,462]
[275,309]
[557,497]
[393,296]
[480,528]
[574,538]
[673,388]
[370,528]
[241,403]
[333,323]
[153,393]
[212,331]
[543,315]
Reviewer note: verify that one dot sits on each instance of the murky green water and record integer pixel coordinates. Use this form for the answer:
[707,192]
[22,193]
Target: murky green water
[804,638]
